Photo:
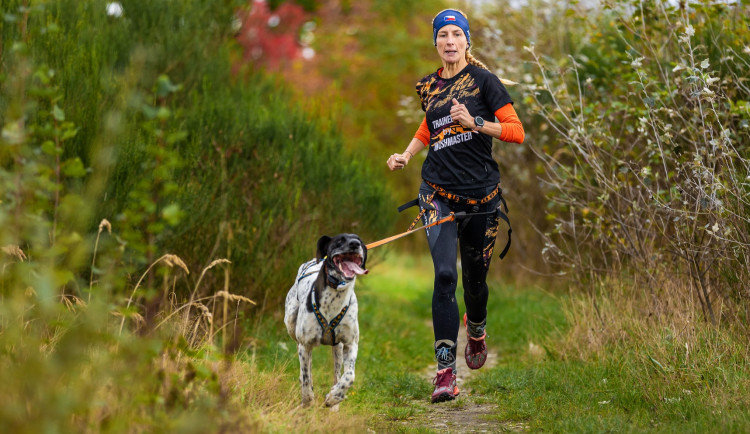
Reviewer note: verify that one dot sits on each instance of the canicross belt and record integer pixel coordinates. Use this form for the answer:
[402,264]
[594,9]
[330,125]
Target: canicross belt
[464,200]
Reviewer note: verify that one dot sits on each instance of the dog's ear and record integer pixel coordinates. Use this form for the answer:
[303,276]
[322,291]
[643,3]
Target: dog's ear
[364,250]
[323,247]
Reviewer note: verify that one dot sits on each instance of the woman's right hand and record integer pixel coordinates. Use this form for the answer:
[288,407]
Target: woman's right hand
[397,161]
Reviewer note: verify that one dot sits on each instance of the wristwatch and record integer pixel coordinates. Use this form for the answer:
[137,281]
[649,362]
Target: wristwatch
[479,122]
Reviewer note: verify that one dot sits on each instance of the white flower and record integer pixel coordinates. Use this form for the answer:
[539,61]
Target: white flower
[637,62]
[689,30]
[712,80]
[715,227]
[603,402]
[704,64]
[678,68]
[114,9]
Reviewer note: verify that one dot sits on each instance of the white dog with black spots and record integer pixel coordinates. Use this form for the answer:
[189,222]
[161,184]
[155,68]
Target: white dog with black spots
[321,309]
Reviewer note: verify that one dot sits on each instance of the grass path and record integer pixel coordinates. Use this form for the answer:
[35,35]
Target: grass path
[524,386]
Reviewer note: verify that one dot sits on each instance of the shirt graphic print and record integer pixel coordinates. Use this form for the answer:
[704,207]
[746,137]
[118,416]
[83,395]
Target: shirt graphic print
[459,158]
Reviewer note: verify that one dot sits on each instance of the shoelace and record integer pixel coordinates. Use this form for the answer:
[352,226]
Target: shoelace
[443,355]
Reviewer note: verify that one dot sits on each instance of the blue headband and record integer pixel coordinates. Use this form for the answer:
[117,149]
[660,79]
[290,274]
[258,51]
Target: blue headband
[450,16]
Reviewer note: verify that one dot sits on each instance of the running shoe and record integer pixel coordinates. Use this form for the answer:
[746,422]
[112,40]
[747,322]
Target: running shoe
[445,386]
[476,349]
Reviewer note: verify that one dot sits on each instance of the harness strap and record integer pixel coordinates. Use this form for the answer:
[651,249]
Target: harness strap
[329,329]
[307,267]
[409,204]
[464,200]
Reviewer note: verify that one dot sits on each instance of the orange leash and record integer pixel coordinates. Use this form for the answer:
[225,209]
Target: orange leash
[451,217]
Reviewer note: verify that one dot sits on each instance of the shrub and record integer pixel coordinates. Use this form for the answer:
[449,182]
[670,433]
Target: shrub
[651,172]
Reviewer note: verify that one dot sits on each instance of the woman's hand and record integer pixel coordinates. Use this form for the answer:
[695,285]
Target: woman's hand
[397,161]
[461,114]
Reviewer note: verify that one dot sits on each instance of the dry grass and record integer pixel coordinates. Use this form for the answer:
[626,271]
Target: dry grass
[623,312]
[15,252]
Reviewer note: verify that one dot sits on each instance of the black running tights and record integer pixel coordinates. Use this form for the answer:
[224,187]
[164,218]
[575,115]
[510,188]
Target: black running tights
[475,238]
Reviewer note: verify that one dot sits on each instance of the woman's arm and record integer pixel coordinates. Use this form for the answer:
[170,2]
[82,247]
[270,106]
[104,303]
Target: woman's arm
[508,129]
[421,139]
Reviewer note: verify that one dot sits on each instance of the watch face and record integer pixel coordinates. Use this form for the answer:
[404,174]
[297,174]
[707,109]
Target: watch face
[479,121]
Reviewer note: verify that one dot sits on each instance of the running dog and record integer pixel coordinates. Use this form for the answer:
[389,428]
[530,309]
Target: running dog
[321,309]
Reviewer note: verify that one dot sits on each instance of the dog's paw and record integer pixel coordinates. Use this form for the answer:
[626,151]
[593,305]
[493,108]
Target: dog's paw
[333,399]
[307,401]
[335,408]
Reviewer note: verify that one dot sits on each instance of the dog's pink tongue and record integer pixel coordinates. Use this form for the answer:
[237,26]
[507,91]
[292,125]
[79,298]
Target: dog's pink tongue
[351,269]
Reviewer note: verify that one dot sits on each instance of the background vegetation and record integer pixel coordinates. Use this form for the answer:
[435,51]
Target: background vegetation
[157,190]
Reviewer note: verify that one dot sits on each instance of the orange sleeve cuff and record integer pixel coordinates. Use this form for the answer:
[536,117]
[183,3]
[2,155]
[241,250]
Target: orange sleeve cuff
[423,133]
[512,127]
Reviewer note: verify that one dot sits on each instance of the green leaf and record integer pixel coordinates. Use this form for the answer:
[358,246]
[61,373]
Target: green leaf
[74,168]
[69,133]
[175,137]
[148,111]
[58,113]
[172,214]
[163,113]
[164,86]
[49,148]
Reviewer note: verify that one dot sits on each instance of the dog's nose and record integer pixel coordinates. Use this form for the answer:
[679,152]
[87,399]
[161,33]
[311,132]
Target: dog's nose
[353,244]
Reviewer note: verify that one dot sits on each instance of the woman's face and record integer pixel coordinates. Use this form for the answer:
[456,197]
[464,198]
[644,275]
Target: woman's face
[451,44]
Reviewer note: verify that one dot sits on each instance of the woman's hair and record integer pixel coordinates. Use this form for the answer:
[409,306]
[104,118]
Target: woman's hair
[469,57]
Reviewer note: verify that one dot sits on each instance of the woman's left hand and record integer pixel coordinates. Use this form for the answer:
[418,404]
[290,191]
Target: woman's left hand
[460,113]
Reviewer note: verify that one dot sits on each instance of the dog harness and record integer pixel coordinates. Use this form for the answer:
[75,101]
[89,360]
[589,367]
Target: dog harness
[329,328]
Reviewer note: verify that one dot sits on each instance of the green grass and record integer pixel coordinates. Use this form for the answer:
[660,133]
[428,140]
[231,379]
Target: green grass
[622,390]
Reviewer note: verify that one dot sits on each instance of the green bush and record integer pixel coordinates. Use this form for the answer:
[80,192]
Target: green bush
[183,150]
[142,125]
[651,171]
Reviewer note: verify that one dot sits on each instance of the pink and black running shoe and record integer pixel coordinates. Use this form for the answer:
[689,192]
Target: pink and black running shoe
[445,386]
[476,349]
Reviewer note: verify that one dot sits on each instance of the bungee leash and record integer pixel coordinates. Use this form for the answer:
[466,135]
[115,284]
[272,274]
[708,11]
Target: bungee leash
[449,218]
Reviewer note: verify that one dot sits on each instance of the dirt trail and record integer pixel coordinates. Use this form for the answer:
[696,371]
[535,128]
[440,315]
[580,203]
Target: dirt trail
[469,413]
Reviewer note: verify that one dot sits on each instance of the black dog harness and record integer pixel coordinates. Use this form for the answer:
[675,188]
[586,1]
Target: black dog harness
[329,328]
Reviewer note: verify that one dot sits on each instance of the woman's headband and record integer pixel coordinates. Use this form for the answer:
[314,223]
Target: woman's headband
[450,16]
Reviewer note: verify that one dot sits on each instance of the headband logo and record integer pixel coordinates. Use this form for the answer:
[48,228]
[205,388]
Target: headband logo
[449,18]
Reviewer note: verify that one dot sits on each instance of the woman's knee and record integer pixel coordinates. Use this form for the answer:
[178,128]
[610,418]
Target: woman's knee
[476,286]
[445,281]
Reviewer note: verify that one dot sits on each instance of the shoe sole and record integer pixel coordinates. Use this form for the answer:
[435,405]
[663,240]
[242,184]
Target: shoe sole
[478,364]
[443,397]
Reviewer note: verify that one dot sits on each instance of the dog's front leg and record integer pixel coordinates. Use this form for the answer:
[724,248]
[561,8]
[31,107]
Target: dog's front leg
[305,373]
[338,361]
[338,391]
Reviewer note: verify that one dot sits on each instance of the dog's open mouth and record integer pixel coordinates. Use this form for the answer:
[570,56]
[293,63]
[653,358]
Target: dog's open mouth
[349,264]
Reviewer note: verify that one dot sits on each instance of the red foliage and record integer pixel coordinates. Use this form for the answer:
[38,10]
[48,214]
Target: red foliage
[271,37]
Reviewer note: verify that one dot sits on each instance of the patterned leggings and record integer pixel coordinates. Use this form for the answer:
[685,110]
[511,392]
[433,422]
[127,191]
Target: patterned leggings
[475,238]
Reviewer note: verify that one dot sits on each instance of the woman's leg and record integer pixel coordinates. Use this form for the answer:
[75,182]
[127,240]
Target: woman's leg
[443,240]
[477,241]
